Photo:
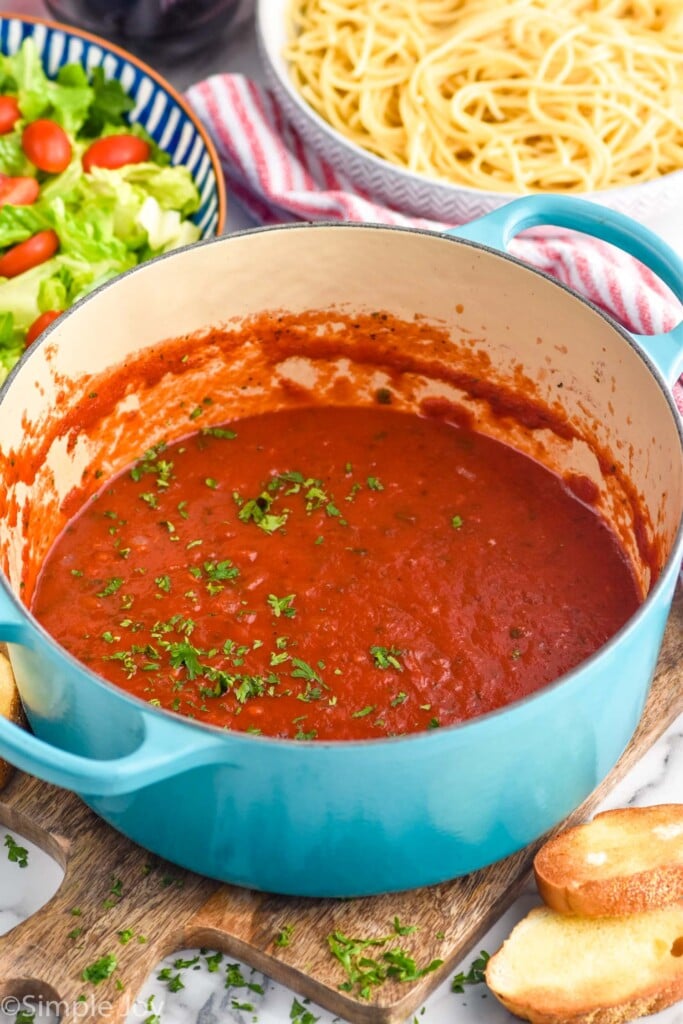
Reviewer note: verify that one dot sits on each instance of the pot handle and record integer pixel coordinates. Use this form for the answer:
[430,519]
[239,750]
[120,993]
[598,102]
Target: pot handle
[496,229]
[158,756]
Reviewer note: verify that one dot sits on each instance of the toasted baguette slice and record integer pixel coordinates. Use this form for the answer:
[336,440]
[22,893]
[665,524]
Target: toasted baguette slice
[621,862]
[10,707]
[579,970]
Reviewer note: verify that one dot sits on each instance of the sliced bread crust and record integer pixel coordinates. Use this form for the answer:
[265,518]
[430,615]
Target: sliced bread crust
[555,969]
[10,707]
[622,862]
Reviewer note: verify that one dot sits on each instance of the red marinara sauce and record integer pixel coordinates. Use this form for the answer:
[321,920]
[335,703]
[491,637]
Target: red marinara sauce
[334,573]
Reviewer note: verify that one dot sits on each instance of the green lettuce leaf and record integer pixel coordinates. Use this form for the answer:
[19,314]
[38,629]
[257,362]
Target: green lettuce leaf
[110,106]
[19,295]
[165,229]
[172,187]
[40,96]
[11,344]
[20,222]
[53,292]
[13,160]
[107,220]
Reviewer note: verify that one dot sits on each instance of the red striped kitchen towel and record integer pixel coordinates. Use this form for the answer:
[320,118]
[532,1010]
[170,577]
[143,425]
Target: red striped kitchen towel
[278,178]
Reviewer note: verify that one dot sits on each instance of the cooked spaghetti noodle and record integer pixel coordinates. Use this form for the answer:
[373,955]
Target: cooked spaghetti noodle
[503,95]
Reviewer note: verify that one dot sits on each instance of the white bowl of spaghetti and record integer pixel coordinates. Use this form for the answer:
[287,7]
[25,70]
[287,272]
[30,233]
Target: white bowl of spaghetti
[449,108]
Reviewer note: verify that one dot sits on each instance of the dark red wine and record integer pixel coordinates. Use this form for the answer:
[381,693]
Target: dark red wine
[165,28]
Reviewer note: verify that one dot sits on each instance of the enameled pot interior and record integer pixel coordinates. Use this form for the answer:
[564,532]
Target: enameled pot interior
[482,315]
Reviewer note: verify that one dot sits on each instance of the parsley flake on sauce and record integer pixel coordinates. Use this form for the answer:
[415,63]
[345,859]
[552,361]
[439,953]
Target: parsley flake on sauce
[302,670]
[224,570]
[282,605]
[367,710]
[152,464]
[111,587]
[256,510]
[221,432]
[387,657]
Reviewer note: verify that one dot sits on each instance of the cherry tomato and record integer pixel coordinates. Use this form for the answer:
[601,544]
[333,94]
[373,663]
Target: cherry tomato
[47,145]
[18,191]
[28,254]
[116,151]
[9,113]
[40,323]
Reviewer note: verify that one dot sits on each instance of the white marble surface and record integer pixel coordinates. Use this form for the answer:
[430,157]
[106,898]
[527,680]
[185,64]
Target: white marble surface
[658,778]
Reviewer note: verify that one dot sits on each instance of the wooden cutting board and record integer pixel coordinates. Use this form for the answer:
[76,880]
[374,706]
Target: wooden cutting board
[175,909]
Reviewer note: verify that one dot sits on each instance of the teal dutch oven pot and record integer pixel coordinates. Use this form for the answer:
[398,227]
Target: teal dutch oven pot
[346,818]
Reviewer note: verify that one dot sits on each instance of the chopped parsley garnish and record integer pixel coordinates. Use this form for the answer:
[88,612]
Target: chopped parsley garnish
[284,936]
[15,853]
[301,734]
[374,484]
[456,522]
[181,964]
[365,972]
[257,511]
[475,976]
[100,970]
[298,1014]
[302,670]
[112,586]
[235,979]
[213,961]
[25,1017]
[224,570]
[221,432]
[174,982]
[404,929]
[387,657]
[116,893]
[367,710]
[282,605]
[151,463]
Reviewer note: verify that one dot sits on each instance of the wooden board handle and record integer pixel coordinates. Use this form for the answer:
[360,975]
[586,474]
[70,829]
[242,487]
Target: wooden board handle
[116,885]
